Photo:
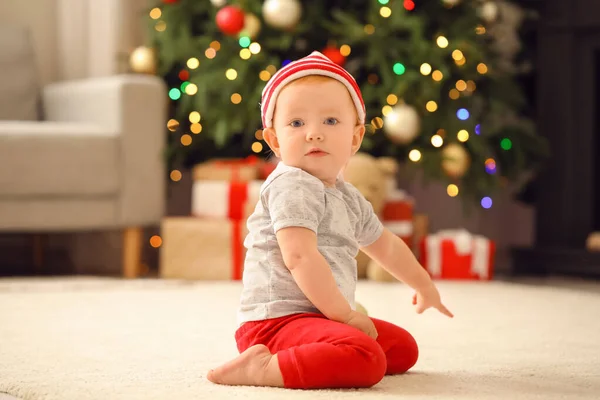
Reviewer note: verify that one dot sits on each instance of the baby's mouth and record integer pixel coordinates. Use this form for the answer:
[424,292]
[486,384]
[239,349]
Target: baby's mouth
[316,152]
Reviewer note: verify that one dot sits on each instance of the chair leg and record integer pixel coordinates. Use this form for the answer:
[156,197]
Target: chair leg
[132,252]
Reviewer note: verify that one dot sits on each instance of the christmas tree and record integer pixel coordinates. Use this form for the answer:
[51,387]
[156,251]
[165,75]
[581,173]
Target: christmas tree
[438,79]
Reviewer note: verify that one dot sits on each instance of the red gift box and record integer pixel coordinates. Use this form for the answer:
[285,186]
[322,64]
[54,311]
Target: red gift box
[224,199]
[458,254]
[397,215]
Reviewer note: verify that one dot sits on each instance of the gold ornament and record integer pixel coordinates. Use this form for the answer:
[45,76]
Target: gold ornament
[455,160]
[282,14]
[450,3]
[143,60]
[252,26]
[402,124]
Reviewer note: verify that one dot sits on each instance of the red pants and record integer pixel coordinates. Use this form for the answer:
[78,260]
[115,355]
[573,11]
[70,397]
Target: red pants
[315,352]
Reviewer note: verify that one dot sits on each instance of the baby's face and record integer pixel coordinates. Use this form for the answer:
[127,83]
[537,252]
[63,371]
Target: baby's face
[315,127]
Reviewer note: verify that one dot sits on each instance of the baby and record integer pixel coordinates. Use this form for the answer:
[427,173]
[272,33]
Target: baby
[298,324]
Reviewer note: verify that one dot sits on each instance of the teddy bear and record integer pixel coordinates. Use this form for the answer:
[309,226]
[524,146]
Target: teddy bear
[372,177]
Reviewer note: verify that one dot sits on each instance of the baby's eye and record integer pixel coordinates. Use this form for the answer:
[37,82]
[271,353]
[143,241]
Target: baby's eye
[296,123]
[331,121]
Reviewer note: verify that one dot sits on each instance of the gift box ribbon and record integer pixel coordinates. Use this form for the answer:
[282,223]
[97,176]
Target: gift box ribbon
[465,243]
[235,165]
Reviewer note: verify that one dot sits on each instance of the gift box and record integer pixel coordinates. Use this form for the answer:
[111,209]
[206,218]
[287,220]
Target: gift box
[397,215]
[224,199]
[202,248]
[458,254]
[244,169]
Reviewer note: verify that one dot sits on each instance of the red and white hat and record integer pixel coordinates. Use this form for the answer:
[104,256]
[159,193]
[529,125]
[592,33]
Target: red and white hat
[313,64]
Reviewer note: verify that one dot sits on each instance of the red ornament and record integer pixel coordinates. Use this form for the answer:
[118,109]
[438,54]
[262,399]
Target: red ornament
[334,55]
[230,20]
[170,1]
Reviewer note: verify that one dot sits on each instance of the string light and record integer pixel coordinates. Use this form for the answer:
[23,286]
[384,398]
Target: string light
[259,134]
[437,141]
[210,53]
[471,86]
[191,89]
[236,98]
[155,241]
[196,128]
[215,45]
[160,26]
[271,69]
[486,202]
[442,42]
[385,12]
[255,48]
[462,135]
[193,63]
[490,165]
[452,190]
[480,29]
[175,175]
[437,75]
[172,125]
[384,2]
[194,117]
[184,75]
[392,99]
[386,110]
[431,106]
[399,68]
[482,68]
[506,144]
[345,50]
[155,13]
[183,86]
[244,41]
[478,129]
[231,74]
[414,155]
[264,76]
[186,140]
[369,29]
[257,147]
[462,114]
[454,94]
[461,85]
[245,54]
[425,69]
[174,94]
[409,5]
[457,55]
[461,62]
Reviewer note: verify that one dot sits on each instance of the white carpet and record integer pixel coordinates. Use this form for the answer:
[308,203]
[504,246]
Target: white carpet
[86,338]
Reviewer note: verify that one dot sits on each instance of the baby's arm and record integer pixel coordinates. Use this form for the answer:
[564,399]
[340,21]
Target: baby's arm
[312,272]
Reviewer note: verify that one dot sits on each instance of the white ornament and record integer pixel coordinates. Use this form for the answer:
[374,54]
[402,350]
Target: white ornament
[402,124]
[489,11]
[252,26]
[456,160]
[142,60]
[218,3]
[282,14]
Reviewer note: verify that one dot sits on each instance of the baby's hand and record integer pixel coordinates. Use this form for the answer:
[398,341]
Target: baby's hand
[362,323]
[430,297]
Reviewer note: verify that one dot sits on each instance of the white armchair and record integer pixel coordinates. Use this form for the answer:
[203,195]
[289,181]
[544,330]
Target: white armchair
[94,160]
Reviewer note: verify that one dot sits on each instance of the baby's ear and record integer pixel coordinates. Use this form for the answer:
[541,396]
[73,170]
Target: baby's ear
[387,165]
[357,137]
[271,139]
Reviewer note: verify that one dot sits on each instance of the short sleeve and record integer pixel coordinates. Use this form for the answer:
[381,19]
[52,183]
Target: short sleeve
[369,227]
[295,199]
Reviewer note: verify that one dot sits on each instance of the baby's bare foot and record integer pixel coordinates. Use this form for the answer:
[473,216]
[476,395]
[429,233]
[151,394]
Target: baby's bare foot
[254,367]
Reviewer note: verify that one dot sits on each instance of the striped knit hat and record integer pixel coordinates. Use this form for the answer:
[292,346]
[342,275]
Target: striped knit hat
[314,64]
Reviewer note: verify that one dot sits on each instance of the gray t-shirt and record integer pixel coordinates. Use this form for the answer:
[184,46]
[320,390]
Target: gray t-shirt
[341,217]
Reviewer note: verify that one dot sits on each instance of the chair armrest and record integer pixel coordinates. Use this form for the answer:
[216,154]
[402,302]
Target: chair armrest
[135,106]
